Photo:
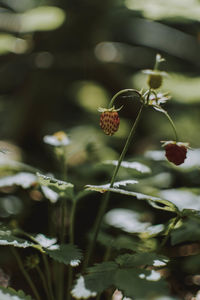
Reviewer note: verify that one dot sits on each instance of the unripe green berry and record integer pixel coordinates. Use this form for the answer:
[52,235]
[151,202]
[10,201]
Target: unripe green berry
[154,81]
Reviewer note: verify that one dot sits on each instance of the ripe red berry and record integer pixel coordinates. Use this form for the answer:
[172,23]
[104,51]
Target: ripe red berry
[176,153]
[109,121]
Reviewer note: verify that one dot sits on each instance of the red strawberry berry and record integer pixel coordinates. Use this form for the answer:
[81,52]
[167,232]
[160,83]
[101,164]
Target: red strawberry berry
[109,121]
[175,152]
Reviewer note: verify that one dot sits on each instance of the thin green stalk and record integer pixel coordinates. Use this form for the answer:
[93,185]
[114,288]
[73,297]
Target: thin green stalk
[72,215]
[63,206]
[69,282]
[148,96]
[159,59]
[43,279]
[108,252]
[63,211]
[60,275]
[48,274]
[71,240]
[63,164]
[25,273]
[156,65]
[104,202]
[170,228]
[122,92]
[51,228]
[173,126]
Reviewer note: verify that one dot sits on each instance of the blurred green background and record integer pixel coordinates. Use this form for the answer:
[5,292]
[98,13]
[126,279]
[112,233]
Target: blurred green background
[60,60]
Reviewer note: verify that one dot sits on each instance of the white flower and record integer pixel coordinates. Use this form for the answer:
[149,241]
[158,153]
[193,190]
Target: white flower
[44,241]
[57,139]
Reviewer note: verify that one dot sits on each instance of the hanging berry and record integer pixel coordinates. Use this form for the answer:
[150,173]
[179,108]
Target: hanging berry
[176,152]
[109,120]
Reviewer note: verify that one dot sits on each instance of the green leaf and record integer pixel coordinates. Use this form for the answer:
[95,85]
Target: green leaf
[65,253]
[101,276]
[23,179]
[183,198]
[130,165]
[80,291]
[11,294]
[157,202]
[8,239]
[128,268]
[15,166]
[140,259]
[106,187]
[188,232]
[142,284]
[63,188]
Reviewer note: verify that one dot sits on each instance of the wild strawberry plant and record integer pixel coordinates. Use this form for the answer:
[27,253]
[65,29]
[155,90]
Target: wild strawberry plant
[128,252]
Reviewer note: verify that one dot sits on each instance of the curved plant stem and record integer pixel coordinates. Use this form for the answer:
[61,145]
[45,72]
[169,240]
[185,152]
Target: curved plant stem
[122,92]
[148,95]
[172,124]
[104,202]
[25,273]
[49,283]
